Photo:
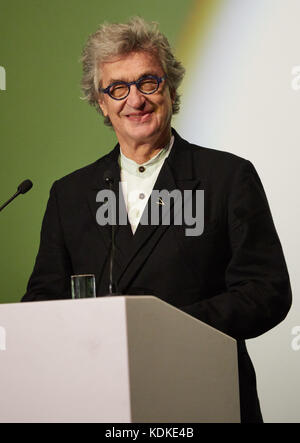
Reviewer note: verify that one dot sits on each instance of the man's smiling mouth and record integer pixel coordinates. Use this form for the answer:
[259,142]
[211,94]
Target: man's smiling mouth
[139,116]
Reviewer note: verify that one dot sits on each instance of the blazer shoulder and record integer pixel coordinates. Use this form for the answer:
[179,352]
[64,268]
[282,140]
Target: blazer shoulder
[210,156]
[217,157]
[216,164]
[83,177]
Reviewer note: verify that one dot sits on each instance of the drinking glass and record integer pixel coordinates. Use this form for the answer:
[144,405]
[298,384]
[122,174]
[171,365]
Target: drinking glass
[83,286]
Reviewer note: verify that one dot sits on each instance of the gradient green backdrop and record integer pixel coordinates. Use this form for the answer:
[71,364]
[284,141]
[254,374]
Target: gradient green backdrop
[46,130]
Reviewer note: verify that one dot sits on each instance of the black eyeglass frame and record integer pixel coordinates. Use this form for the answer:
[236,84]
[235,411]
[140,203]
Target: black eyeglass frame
[129,84]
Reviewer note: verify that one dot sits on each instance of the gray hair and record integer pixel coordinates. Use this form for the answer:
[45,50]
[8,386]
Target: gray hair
[111,40]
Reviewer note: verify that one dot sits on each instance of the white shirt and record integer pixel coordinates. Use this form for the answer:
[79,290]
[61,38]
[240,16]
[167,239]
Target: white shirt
[138,181]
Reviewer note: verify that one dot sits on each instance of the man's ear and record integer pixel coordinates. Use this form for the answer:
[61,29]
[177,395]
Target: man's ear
[102,105]
[173,95]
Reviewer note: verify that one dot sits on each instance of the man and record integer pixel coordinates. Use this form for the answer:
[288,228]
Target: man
[232,275]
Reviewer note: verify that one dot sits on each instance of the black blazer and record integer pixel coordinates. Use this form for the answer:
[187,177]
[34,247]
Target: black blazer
[233,276]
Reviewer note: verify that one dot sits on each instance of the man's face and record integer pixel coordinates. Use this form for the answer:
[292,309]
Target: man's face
[139,118]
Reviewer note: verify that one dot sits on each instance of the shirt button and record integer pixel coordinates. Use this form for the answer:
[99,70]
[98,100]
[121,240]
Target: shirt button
[141,169]
[142,196]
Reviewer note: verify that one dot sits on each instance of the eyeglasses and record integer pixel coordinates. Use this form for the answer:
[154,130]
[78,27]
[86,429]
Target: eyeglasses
[148,84]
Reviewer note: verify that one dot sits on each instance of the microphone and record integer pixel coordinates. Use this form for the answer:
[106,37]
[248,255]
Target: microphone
[108,178]
[112,288]
[24,187]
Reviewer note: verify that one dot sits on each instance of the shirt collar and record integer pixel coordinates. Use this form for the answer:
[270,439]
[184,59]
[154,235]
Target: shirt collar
[148,168]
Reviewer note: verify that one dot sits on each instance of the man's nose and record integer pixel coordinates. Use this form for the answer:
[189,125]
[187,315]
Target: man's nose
[136,98]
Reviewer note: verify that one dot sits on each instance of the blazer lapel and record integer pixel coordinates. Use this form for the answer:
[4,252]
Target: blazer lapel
[108,164]
[98,184]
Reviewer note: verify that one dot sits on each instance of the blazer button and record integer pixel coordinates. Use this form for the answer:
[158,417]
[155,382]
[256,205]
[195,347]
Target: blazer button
[141,169]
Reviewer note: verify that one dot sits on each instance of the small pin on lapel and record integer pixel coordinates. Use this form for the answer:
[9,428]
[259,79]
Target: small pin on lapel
[160,201]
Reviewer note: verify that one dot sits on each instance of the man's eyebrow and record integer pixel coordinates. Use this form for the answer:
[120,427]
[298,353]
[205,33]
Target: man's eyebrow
[115,80]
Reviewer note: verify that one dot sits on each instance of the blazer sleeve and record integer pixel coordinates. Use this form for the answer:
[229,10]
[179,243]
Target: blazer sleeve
[50,278]
[258,291]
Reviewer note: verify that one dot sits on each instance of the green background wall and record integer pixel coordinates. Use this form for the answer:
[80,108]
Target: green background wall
[46,130]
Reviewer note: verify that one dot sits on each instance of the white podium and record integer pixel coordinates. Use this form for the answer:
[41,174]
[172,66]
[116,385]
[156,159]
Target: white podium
[132,359]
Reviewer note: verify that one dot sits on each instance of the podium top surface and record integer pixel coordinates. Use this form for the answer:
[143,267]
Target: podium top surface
[111,304]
